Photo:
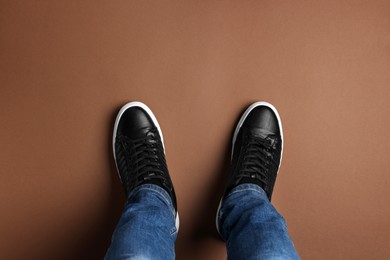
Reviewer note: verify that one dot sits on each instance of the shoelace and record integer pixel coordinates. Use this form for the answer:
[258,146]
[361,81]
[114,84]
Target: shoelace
[257,159]
[150,159]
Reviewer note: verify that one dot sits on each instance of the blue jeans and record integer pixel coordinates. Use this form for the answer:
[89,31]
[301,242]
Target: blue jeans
[247,221]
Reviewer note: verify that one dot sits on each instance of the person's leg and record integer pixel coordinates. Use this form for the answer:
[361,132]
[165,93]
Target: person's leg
[148,226]
[246,220]
[251,226]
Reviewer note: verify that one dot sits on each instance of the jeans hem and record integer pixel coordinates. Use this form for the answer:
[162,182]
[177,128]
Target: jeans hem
[163,194]
[246,187]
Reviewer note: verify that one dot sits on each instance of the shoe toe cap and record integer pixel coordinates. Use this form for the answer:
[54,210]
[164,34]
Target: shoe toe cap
[135,122]
[263,117]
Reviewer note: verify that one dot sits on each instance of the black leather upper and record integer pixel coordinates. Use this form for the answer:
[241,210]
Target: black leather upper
[135,122]
[262,119]
[139,152]
[257,151]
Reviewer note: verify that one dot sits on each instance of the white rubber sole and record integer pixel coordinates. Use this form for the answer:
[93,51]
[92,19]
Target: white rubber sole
[239,124]
[154,119]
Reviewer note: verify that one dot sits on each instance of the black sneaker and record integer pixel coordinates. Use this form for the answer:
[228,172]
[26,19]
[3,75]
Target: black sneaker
[257,149]
[139,151]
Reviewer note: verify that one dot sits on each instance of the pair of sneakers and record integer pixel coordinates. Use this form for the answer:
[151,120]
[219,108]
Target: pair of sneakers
[139,150]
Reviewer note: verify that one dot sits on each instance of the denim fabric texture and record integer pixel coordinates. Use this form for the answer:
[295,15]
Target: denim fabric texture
[250,225]
[146,229]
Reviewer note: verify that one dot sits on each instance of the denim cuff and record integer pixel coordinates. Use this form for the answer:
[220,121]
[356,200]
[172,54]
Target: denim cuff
[160,192]
[247,187]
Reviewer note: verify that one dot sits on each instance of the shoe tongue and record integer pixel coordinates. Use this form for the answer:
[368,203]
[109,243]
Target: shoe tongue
[253,181]
[152,180]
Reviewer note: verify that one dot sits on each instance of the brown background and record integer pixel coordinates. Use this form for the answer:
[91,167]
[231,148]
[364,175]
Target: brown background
[66,67]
